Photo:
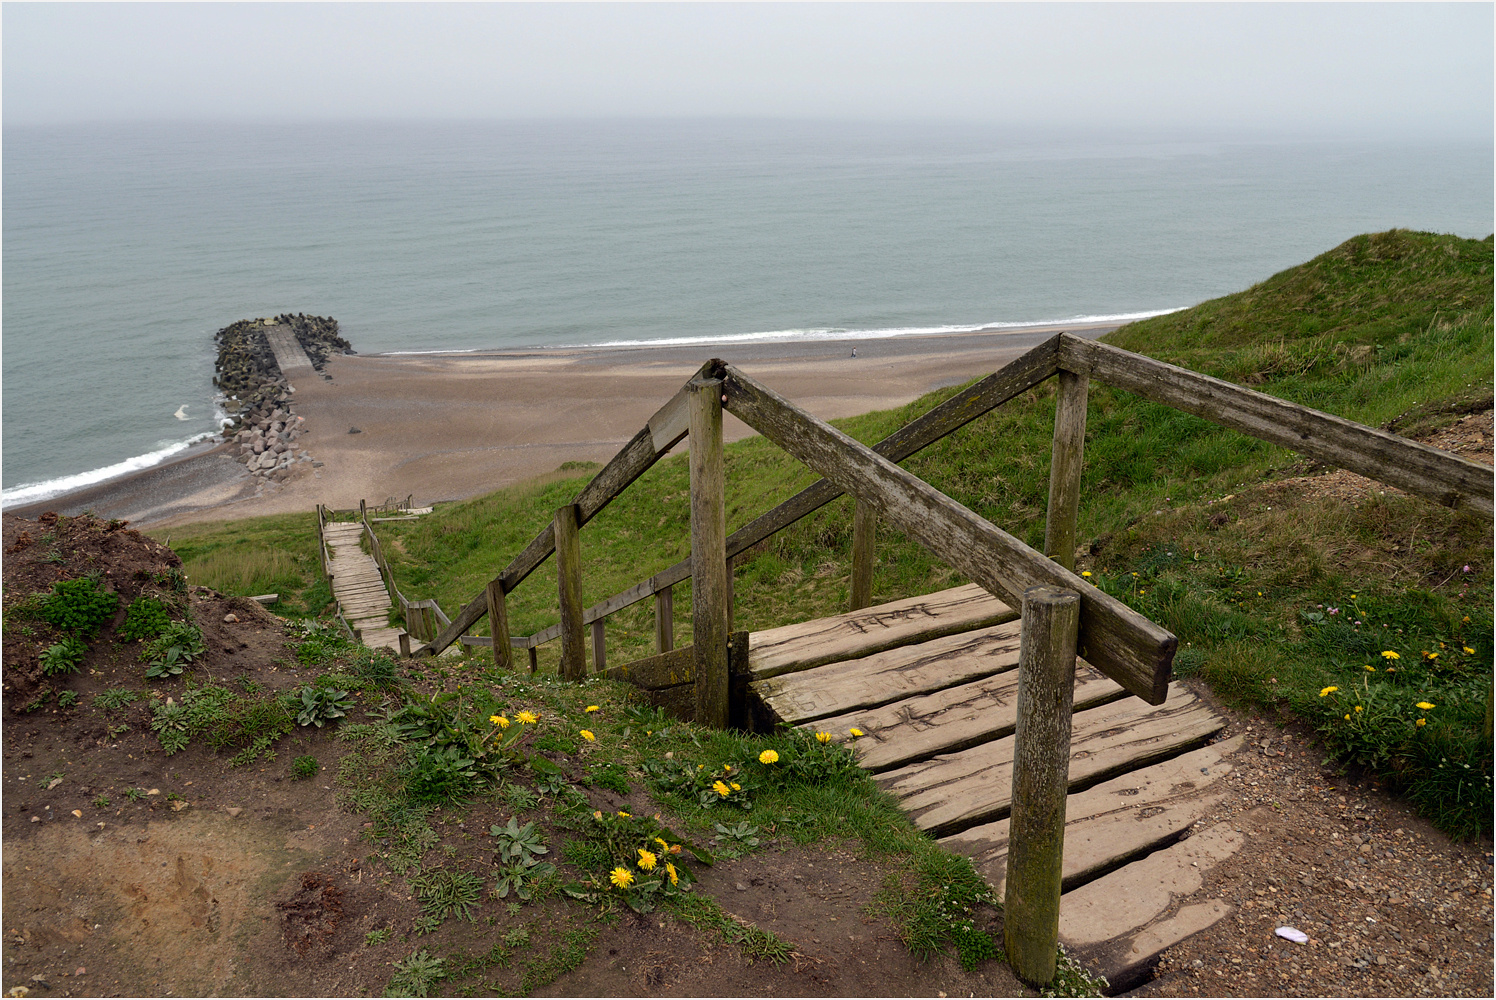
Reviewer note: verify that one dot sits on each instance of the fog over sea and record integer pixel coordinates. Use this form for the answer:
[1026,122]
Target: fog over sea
[127,246]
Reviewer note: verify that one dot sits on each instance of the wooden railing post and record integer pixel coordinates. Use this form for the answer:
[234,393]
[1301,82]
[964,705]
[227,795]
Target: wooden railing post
[665,620]
[599,646]
[1041,767]
[569,585]
[498,626]
[1064,468]
[864,530]
[709,581]
[404,640]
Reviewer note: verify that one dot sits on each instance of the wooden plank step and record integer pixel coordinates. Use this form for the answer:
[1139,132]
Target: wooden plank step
[959,790]
[860,633]
[1115,821]
[1120,923]
[889,676]
[953,719]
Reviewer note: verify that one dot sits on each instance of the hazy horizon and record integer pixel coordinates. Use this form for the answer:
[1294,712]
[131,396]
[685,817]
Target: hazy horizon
[1372,71]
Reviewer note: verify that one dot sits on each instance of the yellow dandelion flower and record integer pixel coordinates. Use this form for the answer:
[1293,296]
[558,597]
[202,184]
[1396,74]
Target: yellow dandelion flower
[1358,708]
[1085,573]
[823,737]
[1389,654]
[625,815]
[1371,668]
[737,787]
[1329,690]
[663,845]
[647,860]
[1425,705]
[621,877]
[593,708]
[528,718]
[1468,650]
[499,721]
[1430,656]
[674,848]
[721,789]
[598,814]
[1465,619]
[674,876]
[768,757]
[494,719]
[855,731]
[1347,717]
[587,735]
[1421,722]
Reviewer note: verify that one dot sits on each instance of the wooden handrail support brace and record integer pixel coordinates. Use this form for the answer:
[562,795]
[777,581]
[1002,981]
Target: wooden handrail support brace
[1427,472]
[710,596]
[1115,639]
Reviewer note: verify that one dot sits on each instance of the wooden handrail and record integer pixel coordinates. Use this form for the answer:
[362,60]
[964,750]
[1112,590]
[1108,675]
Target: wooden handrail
[1417,468]
[1114,638]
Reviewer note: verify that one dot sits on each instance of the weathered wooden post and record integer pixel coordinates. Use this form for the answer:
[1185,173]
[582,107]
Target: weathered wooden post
[709,582]
[498,626]
[569,585]
[1041,770]
[1064,468]
[665,620]
[864,530]
[404,640]
[599,647]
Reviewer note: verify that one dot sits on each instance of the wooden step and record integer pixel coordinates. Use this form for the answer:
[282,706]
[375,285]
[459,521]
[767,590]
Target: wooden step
[959,790]
[889,676]
[1117,820]
[954,719]
[855,634]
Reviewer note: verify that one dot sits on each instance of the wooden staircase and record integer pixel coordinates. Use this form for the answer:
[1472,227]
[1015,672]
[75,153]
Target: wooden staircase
[931,682]
[358,587]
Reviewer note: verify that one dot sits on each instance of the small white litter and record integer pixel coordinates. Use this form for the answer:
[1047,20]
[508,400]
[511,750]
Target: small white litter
[1293,934]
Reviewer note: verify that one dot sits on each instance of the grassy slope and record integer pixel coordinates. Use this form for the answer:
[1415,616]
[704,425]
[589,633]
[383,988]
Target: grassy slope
[1392,329]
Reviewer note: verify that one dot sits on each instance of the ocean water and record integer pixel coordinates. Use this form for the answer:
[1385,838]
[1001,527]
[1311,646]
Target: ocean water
[126,247]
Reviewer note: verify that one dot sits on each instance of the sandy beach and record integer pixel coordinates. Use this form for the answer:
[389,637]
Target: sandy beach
[444,427]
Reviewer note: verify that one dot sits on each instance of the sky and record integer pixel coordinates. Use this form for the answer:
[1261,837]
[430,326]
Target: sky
[1369,70]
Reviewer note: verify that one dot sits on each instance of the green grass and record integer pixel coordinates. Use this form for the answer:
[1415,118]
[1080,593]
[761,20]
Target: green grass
[260,555]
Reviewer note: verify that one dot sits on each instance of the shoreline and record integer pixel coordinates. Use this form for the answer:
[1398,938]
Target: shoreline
[450,426]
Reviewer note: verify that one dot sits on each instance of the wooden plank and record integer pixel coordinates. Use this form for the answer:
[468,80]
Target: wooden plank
[618,602]
[711,577]
[670,423]
[498,624]
[658,671]
[1066,459]
[1115,639]
[864,551]
[859,633]
[599,646]
[953,719]
[665,620]
[955,791]
[1111,823]
[569,592]
[1427,472]
[890,676]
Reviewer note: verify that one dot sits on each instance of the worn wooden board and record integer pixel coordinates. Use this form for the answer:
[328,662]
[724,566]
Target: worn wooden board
[892,675]
[1123,644]
[953,719]
[959,790]
[1109,823]
[1428,472]
[860,633]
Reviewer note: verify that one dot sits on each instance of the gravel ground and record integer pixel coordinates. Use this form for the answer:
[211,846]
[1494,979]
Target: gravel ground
[1391,906]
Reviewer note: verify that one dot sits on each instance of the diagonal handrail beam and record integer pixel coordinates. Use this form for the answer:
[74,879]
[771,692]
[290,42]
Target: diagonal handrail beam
[1436,475]
[1126,646]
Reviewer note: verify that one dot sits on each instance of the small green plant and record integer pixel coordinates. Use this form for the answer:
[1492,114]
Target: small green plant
[133,795]
[377,936]
[1072,980]
[101,802]
[64,657]
[740,835]
[79,606]
[320,705]
[519,937]
[67,699]
[643,855]
[415,976]
[613,777]
[115,698]
[304,767]
[321,643]
[177,645]
[725,786]
[146,618]
[51,780]
[448,892]
[519,849]
[520,797]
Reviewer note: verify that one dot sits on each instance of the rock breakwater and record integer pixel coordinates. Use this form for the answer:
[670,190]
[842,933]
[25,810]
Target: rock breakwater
[256,396]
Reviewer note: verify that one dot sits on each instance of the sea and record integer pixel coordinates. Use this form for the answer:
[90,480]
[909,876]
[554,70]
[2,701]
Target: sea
[126,246]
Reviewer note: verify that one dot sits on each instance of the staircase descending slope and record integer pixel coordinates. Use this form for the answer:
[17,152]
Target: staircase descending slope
[358,587]
[931,682]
